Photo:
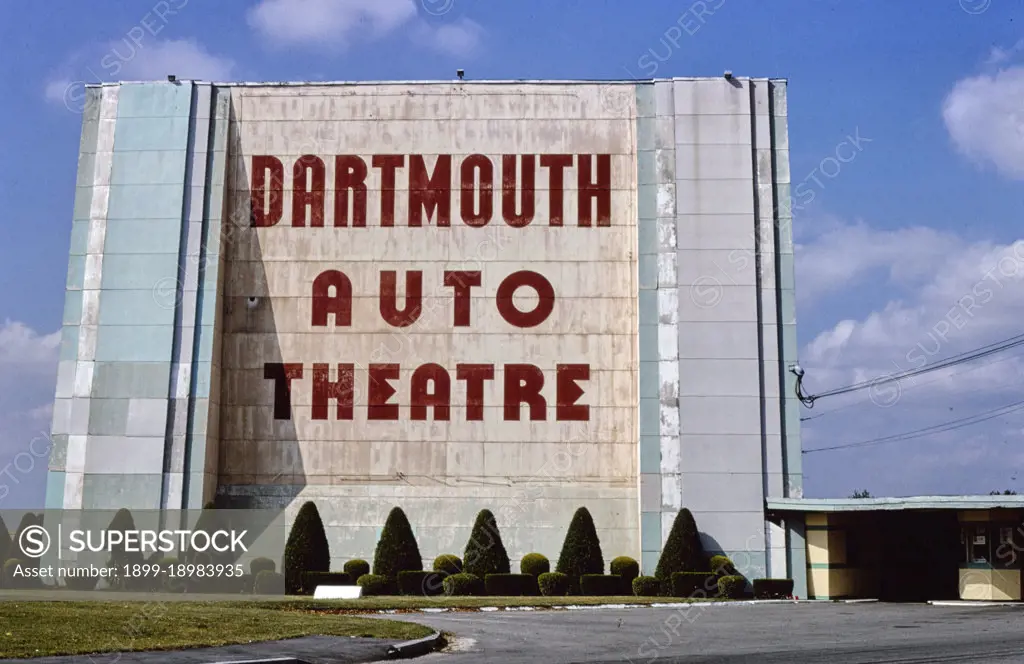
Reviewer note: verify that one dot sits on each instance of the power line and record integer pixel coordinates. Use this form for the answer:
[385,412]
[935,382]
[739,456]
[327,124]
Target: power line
[928,382]
[954,360]
[950,425]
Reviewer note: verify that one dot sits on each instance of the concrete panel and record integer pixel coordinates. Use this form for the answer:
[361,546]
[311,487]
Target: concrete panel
[713,162]
[115,490]
[135,307]
[731,531]
[704,492]
[157,273]
[142,236]
[134,343]
[718,340]
[143,380]
[108,417]
[146,417]
[124,455]
[720,415]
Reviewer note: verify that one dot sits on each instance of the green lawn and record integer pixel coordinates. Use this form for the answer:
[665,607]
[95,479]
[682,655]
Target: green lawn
[34,629]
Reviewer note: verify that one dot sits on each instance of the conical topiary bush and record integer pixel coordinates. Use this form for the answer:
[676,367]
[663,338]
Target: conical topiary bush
[485,554]
[581,551]
[5,541]
[397,550]
[682,552]
[120,555]
[306,550]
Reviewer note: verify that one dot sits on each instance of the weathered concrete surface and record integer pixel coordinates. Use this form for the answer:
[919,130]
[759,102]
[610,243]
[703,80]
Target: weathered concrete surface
[834,633]
[487,152]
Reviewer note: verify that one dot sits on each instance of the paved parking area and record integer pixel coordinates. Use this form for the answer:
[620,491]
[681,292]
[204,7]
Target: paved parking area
[831,632]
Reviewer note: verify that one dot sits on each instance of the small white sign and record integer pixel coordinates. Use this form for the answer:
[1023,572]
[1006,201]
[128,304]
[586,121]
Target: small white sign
[337,592]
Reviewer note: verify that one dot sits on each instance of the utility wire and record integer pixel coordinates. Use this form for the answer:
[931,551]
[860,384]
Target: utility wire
[951,425]
[863,402]
[954,360]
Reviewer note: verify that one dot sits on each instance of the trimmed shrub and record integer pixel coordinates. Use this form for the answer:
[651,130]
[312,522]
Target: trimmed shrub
[553,584]
[581,551]
[356,568]
[176,584]
[422,584]
[463,584]
[120,556]
[773,588]
[448,563]
[646,586]
[248,582]
[5,540]
[257,565]
[313,579]
[732,586]
[397,550]
[83,582]
[485,554]
[600,585]
[374,584]
[510,585]
[10,581]
[627,569]
[722,566]
[694,584]
[269,583]
[306,549]
[534,564]
[683,551]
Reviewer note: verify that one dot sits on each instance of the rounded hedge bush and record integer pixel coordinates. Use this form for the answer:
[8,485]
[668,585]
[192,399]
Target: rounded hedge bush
[510,585]
[84,582]
[311,580]
[268,583]
[553,584]
[9,580]
[627,569]
[535,564]
[600,585]
[257,565]
[356,568]
[722,566]
[732,586]
[463,585]
[694,584]
[374,584]
[448,563]
[421,584]
[646,586]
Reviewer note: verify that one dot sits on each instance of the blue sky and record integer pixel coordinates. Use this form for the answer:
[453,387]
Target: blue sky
[887,247]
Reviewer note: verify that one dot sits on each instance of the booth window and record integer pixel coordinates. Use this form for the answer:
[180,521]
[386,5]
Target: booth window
[979,546]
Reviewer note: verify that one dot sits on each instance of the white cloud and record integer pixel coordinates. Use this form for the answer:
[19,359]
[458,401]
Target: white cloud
[57,90]
[328,22]
[999,55]
[338,24]
[458,38]
[141,60]
[28,368]
[843,254]
[985,119]
[186,59]
[21,345]
[941,295]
